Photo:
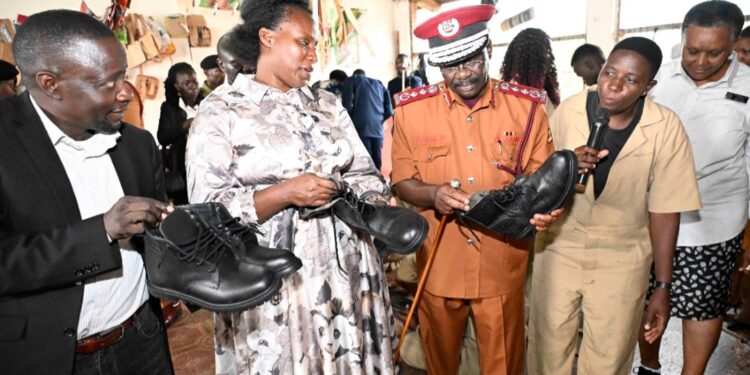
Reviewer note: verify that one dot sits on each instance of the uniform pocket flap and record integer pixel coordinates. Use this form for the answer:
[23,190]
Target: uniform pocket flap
[429,153]
[12,327]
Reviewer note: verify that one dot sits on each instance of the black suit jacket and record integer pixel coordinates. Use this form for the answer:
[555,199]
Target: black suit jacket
[46,250]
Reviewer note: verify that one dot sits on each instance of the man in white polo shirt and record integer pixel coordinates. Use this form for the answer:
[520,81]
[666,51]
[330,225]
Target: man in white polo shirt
[709,89]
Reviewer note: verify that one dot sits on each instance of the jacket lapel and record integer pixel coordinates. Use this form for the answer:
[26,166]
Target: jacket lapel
[39,148]
[651,115]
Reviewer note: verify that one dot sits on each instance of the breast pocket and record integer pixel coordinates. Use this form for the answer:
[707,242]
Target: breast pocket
[431,162]
[504,152]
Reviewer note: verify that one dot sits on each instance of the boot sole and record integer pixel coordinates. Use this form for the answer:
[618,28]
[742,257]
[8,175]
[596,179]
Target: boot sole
[169,294]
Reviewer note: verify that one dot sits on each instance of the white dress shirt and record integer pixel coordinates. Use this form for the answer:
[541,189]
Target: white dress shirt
[108,299]
[718,128]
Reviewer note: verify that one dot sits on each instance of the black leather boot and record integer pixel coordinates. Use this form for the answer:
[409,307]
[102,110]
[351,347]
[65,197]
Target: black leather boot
[281,262]
[507,211]
[187,260]
[395,229]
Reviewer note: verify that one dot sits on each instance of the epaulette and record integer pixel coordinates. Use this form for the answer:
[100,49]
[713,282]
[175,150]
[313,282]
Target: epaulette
[531,93]
[418,93]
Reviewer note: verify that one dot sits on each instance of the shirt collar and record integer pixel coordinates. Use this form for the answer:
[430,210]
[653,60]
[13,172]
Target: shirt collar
[256,91]
[678,70]
[487,98]
[96,145]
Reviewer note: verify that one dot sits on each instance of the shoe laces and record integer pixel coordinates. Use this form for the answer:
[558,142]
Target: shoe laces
[208,248]
[234,227]
[504,195]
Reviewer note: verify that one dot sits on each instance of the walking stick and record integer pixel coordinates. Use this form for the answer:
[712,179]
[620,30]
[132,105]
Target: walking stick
[422,279]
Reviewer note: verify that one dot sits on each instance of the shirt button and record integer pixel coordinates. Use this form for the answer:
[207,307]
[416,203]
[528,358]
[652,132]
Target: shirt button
[429,156]
[470,241]
[70,332]
[469,119]
[470,148]
[471,179]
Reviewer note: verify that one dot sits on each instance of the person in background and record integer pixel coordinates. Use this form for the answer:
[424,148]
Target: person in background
[529,61]
[368,104]
[742,46]
[741,321]
[214,74]
[231,57]
[181,99]
[484,133]
[422,69]
[596,259]
[78,185]
[266,148]
[334,84]
[336,80]
[404,80]
[708,87]
[8,79]
[587,61]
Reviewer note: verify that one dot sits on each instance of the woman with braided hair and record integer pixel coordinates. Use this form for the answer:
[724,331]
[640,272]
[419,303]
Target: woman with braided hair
[265,148]
[529,61]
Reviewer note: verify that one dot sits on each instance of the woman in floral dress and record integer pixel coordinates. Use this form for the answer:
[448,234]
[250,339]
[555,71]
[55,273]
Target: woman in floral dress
[264,148]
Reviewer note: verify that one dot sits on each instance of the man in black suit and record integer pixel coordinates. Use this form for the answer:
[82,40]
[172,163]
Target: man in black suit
[76,186]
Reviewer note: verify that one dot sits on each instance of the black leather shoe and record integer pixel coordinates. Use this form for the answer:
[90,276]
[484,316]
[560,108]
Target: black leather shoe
[508,210]
[187,260]
[281,262]
[396,229]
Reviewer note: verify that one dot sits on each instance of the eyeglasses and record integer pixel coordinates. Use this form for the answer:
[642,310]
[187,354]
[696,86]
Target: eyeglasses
[473,65]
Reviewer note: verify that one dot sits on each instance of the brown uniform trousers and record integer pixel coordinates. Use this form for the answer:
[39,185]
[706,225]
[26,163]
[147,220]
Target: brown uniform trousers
[438,138]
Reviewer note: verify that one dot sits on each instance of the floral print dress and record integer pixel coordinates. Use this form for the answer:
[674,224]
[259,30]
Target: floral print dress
[333,316]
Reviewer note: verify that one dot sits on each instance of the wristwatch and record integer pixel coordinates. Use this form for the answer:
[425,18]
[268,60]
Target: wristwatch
[663,284]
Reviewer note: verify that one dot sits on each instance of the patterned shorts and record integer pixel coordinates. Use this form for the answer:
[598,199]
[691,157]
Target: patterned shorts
[702,279]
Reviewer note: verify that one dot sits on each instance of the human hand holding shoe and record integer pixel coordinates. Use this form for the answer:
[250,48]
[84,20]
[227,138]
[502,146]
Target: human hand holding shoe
[447,199]
[309,190]
[587,158]
[543,221]
[129,214]
[657,315]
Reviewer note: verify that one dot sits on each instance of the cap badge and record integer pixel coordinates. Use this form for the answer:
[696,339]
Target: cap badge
[448,28]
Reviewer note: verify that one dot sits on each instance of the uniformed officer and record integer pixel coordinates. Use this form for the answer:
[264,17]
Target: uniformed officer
[483,132]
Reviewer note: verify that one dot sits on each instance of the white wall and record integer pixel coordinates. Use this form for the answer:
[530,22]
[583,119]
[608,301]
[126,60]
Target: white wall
[377,20]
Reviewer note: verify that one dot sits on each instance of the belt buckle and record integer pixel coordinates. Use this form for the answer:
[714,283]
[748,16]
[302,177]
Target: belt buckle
[122,334]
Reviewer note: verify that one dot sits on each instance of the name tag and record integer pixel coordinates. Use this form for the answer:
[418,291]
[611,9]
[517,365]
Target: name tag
[736,97]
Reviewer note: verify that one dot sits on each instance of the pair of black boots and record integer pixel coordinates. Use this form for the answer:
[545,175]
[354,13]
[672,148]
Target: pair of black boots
[202,255]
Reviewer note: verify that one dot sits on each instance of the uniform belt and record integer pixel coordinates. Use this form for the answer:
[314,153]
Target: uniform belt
[104,339]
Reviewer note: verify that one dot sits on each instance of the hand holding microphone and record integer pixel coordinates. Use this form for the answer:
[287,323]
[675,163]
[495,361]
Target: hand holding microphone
[587,155]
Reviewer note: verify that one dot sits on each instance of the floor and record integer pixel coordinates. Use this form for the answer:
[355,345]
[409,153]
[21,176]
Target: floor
[191,343]
[732,356]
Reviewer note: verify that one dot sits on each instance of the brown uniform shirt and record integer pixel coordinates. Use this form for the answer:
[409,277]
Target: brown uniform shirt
[438,138]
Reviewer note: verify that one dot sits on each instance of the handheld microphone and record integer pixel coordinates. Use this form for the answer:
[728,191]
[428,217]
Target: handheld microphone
[596,137]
